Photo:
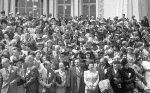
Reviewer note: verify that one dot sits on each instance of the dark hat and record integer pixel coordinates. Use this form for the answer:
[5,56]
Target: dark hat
[116,62]
[124,61]
[2,12]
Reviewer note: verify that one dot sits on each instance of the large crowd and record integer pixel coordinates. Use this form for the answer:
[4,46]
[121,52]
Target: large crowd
[78,54]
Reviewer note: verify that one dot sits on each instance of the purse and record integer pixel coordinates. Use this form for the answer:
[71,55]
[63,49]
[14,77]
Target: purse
[58,79]
[130,86]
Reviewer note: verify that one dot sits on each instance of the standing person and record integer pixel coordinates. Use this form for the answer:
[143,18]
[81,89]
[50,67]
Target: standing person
[9,77]
[144,22]
[128,77]
[102,68]
[50,88]
[76,78]
[115,78]
[42,78]
[61,79]
[31,84]
[91,79]
[139,71]
[21,73]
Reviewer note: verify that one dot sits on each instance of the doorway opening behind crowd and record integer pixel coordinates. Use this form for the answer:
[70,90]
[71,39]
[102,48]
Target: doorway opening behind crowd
[89,8]
[25,6]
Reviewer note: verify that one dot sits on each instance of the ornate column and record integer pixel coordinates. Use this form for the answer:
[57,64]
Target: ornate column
[100,8]
[6,7]
[12,9]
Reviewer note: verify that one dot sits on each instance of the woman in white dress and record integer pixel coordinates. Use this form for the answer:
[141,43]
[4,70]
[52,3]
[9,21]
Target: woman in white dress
[91,79]
[61,79]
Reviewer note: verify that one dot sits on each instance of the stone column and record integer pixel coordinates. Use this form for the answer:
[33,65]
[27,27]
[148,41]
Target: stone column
[55,8]
[45,7]
[12,8]
[1,5]
[100,8]
[130,9]
[6,3]
[51,7]
[136,9]
[72,8]
[76,7]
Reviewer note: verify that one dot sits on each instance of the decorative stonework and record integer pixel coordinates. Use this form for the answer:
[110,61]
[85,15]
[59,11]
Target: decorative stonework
[101,8]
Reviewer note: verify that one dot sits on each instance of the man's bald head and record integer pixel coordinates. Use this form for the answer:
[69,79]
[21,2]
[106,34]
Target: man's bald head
[5,62]
[29,60]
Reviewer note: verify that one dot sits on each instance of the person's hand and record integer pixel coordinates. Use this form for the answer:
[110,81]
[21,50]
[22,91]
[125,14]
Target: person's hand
[11,83]
[48,85]
[115,78]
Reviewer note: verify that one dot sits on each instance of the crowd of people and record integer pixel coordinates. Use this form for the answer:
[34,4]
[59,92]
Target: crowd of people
[81,54]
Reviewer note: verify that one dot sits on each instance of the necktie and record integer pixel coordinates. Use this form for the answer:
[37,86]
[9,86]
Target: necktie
[7,72]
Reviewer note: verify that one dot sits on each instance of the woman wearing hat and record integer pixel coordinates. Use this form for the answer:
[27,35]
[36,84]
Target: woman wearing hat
[128,77]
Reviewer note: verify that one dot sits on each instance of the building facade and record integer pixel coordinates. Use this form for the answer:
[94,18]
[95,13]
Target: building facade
[96,8]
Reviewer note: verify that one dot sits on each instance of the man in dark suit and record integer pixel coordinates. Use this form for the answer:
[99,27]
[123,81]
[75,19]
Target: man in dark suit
[102,68]
[9,77]
[31,84]
[76,79]
[145,22]
[115,78]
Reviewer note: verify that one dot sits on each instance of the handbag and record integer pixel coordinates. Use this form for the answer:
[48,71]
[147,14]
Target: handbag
[58,79]
[130,86]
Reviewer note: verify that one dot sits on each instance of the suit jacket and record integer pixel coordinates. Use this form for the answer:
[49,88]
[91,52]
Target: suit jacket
[103,72]
[6,79]
[32,79]
[115,83]
[76,81]
[51,80]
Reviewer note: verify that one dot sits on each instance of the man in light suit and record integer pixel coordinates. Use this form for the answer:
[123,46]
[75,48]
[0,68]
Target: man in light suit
[31,77]
[42,78]
[9,77]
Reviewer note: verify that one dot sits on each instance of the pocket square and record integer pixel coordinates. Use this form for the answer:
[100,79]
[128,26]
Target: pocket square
[12,71]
